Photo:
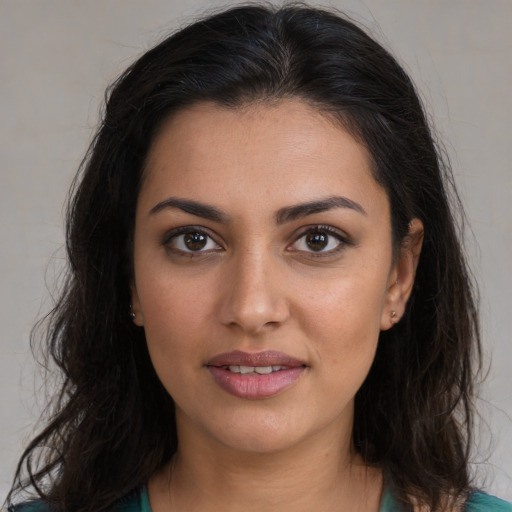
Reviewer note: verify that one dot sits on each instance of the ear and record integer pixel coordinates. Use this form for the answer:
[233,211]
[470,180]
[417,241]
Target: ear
[402,276]
[135,309]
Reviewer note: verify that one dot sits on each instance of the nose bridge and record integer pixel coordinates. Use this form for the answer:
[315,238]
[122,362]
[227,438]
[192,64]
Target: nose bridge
[254,299]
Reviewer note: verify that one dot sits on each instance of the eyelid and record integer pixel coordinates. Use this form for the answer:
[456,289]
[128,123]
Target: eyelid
[341,236]
[181,230]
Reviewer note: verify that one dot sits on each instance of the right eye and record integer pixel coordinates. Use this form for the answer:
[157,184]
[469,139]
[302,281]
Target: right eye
[190,241]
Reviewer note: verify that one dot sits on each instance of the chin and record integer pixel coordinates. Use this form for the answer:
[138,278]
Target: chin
[262,433]
[261,443]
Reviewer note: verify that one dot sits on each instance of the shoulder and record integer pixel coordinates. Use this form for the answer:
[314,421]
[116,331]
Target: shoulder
[477,502]
[29,506]
[136,501]
[481,502]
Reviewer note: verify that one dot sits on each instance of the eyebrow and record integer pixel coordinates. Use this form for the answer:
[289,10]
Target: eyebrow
[282,216]
[205,211]
[290,213]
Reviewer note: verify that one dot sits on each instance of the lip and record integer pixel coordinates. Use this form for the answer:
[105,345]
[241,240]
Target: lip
[265,358]
[250,386]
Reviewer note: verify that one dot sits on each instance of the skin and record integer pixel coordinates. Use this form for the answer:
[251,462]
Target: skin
[257,285]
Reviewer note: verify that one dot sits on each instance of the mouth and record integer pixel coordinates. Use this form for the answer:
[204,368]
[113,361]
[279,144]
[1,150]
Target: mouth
[255,375]
[255,370]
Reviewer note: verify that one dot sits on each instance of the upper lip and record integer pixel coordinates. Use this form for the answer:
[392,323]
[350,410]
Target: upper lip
[265,358]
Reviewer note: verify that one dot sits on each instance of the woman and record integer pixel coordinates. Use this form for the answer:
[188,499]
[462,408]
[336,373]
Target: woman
[267,305]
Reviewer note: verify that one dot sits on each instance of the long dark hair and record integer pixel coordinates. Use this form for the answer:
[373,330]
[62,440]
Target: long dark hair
[111,426]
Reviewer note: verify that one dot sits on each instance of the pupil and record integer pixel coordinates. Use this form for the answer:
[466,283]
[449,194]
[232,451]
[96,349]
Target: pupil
[317,241]
[195,241]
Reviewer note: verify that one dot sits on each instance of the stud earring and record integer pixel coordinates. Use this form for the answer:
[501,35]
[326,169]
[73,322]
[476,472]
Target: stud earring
[132,314]
[394,318]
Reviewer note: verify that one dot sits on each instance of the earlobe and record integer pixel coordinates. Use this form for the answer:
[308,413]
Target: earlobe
[402,276]
[135,310]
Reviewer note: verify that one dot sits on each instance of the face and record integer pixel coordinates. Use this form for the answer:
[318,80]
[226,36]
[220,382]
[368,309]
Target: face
[264,273]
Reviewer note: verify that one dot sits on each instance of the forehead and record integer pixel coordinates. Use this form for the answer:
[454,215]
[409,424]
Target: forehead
[287,152]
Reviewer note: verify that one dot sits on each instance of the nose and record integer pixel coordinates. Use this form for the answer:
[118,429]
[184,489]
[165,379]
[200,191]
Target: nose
[252,299]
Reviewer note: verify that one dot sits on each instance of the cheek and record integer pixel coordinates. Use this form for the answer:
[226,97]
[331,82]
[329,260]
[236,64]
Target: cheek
[345,320]
[174,320]
[349,303]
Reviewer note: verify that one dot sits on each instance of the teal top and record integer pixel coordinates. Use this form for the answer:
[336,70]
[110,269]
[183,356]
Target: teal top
[477,502]
[139,502]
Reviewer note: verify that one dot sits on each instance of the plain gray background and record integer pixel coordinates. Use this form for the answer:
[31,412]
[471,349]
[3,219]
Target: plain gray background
[57,57]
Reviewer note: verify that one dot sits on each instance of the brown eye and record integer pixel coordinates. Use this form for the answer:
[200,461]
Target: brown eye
[195,241]
[321,240]
[317,241]
[189,241]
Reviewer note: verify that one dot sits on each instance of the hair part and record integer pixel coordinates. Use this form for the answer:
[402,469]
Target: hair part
[112,424]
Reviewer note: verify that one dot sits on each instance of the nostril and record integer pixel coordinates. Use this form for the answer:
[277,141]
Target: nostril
[254,314]
[251,298]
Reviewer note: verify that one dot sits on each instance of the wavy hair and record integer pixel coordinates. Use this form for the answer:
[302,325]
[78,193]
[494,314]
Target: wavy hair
[109,428]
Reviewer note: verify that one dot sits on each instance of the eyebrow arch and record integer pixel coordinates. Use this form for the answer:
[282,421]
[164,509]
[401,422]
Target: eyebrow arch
[193,207]
[282,216]
[290,213]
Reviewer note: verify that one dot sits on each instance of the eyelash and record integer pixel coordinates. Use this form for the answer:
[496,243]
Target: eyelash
[191,230]
[342,241]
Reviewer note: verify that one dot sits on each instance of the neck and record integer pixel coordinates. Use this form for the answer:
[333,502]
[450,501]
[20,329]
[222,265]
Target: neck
[320,474]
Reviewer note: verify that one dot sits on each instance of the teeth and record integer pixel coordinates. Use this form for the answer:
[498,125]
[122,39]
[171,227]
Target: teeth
[263,370]
[260,370]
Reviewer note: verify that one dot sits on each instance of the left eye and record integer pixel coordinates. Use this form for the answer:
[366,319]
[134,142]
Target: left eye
[317,240]
[192,241]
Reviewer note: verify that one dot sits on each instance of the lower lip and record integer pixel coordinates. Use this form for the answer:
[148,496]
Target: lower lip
[252,386]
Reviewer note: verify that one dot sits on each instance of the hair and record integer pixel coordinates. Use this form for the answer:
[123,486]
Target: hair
[110,427]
